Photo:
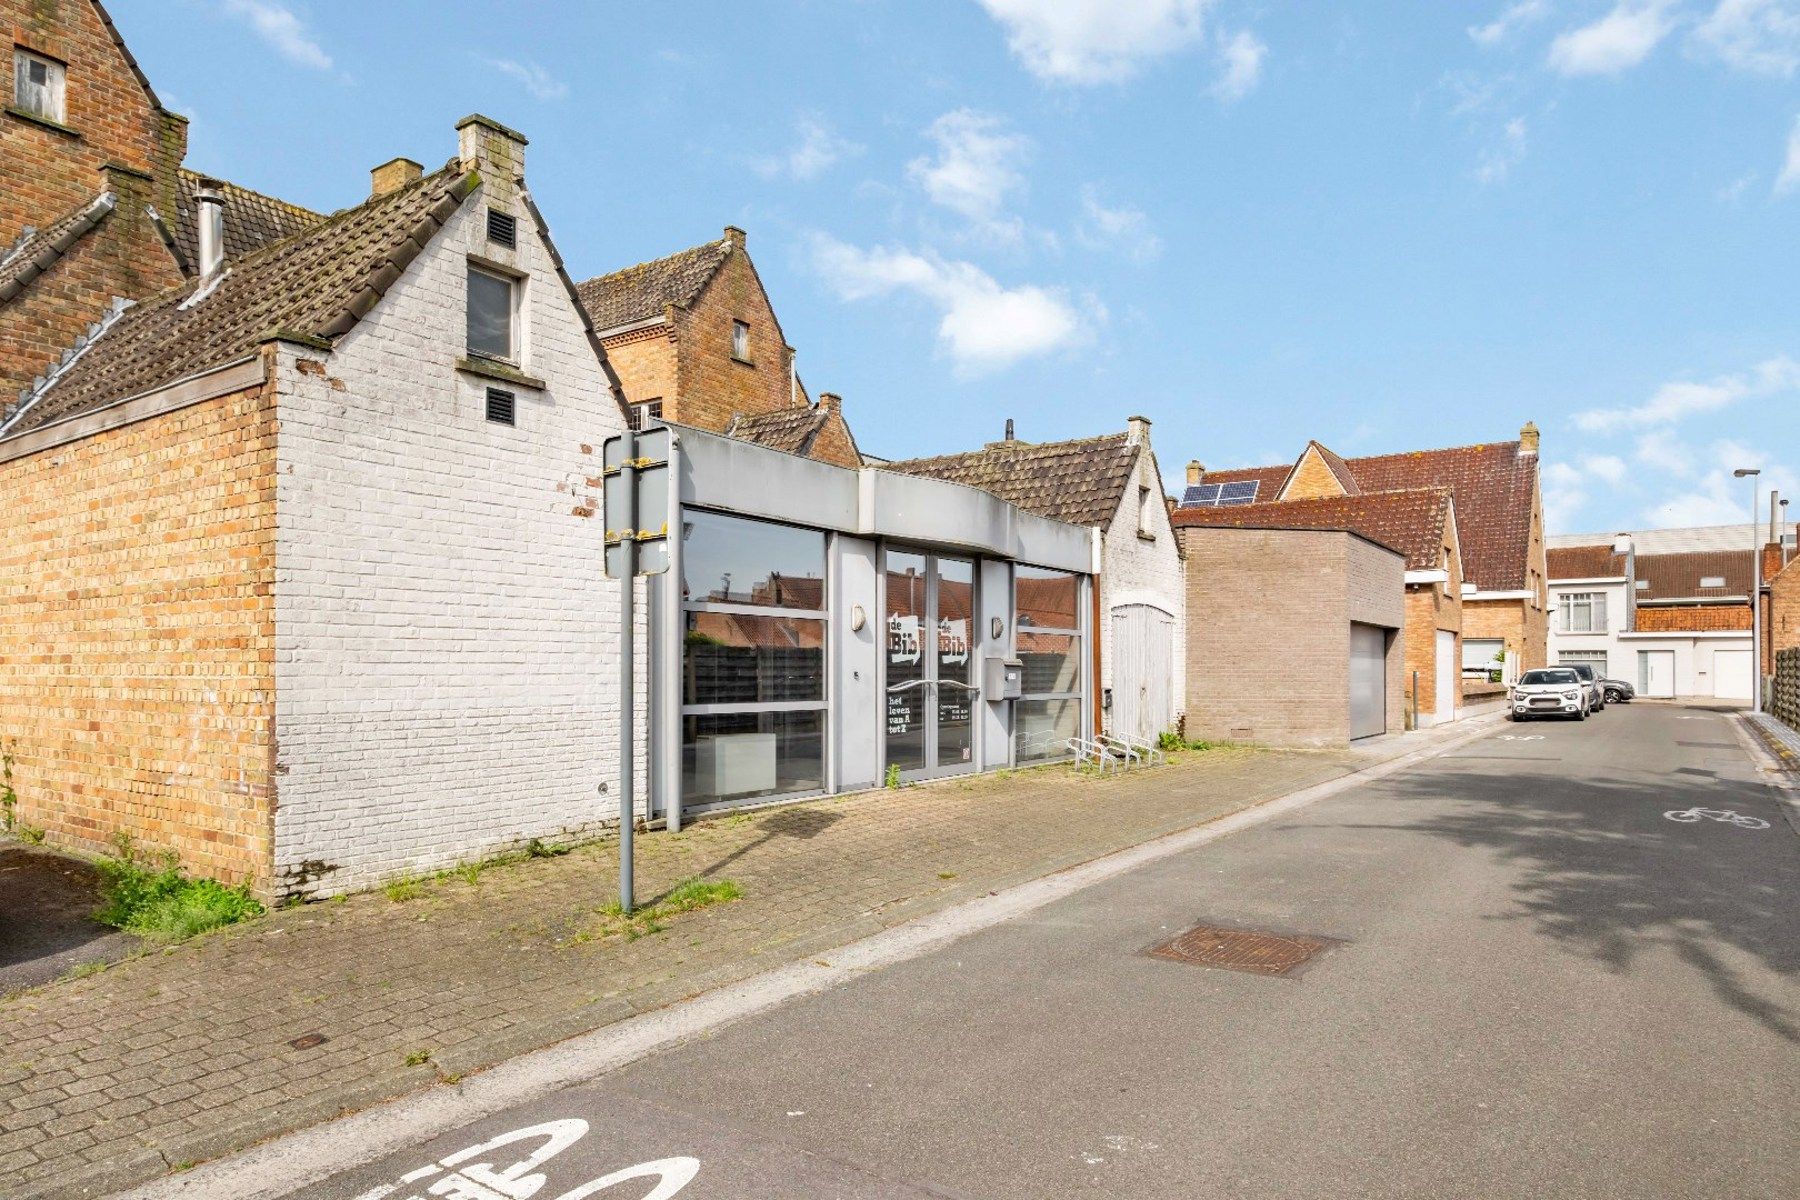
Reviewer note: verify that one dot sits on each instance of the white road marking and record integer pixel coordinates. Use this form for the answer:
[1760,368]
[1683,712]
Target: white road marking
[1725,816]
[468,1180]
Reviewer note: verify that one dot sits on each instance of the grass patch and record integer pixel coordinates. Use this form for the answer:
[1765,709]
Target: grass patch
[690,895]
[418,1058]
[407,887]
[157,900]
[946,874]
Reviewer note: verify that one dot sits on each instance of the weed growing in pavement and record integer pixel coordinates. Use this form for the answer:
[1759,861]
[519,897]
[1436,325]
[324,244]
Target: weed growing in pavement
[31,835]
[157,900]
[407,887]
[946,874]
[687,896]
[83,970]
[893,776]
[418,1058]
[537,848]
[9,799]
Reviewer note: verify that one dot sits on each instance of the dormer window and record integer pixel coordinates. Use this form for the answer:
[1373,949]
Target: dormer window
[493,315]
[740,341]
[1712,581]
[38,85]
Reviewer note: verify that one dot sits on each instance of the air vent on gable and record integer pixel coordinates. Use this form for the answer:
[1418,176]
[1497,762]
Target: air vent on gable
[502,406]
[503,228]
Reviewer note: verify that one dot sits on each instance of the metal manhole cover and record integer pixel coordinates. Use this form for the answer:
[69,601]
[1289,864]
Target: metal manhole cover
[1240,950]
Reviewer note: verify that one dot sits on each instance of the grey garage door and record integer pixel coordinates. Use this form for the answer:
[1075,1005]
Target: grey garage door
[1368,681]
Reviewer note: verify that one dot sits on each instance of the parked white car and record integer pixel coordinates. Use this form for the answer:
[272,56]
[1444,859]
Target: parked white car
[1548,691]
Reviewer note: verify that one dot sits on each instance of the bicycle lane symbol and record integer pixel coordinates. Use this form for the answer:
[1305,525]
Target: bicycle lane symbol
[1725,816]
[471,1174]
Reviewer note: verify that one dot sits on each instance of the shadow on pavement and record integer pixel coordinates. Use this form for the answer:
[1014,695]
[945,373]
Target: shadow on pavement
[46,923]
[801,824]
[1605,874]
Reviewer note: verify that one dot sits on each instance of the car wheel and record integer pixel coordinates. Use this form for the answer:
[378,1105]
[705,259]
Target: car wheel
[1581,713]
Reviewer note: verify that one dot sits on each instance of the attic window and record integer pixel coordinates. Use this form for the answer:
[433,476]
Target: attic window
[1712,581]
[38,85]
[493,314]
[502,406]
[503,228]
[642,416]
[740,341]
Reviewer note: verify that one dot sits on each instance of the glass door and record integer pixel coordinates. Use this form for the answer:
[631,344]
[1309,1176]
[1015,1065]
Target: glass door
[931,682]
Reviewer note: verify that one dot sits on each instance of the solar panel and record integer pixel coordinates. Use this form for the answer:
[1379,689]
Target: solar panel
[1215,495]
[1201,495]
[1238,493]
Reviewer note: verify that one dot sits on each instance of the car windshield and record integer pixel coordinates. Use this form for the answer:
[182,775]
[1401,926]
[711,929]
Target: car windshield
[1561,675]
[1583,670]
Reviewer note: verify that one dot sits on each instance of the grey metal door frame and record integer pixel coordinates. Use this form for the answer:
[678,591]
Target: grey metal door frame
[929,681]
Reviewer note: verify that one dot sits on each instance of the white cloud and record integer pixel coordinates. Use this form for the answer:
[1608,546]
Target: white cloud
[1677,400]
[1667,453]
[1565,494]
[1512,19]
[1620,40]
[976,170]
[818,150]
[1789,179]
[277,25]
[1241,57]
[1609,468]
[1500,159]
[1734,191]
[1123,228]
[983,326]
[539,82]
[1709,494]
[1761,37]
[1096,41]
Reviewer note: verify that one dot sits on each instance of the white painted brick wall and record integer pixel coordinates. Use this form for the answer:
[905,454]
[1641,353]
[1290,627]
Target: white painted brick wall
[1135,571]
[446,640]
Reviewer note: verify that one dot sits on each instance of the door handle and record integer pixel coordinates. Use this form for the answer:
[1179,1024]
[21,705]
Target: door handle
[911,683]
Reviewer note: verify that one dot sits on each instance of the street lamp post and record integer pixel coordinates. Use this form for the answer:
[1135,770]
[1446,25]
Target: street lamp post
[1756,671]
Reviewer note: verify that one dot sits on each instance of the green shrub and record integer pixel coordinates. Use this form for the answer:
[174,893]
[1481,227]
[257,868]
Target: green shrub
[893,776]
[156,900]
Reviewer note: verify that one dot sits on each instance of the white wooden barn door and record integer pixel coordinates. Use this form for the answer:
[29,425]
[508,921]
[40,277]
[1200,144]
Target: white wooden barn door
[1143,648]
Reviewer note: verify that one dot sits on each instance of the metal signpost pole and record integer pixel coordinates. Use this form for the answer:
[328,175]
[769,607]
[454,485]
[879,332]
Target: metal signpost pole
[627,480]
[1756,671]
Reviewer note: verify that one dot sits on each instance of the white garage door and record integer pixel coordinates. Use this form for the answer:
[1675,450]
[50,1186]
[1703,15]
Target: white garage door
[1142,670]
[1448,676]
[1368,681]
[1733,678]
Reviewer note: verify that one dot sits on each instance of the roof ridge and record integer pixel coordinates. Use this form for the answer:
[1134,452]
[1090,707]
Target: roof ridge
[1435,450]
[724,243]
[260,195]
[1008,447]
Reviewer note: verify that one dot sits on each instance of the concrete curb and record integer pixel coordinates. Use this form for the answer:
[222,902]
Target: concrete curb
[1776,762]
[289,1164]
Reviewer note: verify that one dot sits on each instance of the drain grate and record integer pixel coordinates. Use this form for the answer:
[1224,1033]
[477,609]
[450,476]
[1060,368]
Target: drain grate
[1239,950]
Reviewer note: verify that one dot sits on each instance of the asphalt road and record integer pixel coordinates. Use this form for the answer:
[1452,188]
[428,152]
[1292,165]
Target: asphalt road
[1538,986]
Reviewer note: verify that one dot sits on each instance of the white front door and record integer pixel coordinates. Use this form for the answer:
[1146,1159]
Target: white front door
[1733,677]
[1143,658]
[1656,673]
[1368,681]
[1448,676]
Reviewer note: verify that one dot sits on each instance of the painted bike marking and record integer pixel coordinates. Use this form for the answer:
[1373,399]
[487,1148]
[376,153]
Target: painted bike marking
[1725,816]
[1520,737]
[468,1180]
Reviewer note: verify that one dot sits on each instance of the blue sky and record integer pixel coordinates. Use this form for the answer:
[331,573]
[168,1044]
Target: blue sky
[1385,226]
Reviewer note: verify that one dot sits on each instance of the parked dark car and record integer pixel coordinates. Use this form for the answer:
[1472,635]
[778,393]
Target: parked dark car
[1590,683]
[1618,691]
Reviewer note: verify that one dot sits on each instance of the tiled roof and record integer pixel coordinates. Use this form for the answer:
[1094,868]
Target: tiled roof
[31,256]
[790,430]
[252,220]
[1678,576]
[1495,487]
[318,283]
[645,290]
[1585,562]
[1079,481]
[1409,521]
[1340,470]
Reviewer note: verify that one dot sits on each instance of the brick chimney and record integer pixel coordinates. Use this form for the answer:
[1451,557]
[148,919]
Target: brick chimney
[393,175]
[1528,438]
[487,146]
[1137,431]
[735,237]
[830,401]
[1195,470]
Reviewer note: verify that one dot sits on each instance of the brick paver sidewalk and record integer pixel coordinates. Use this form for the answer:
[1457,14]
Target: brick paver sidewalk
[185,1055]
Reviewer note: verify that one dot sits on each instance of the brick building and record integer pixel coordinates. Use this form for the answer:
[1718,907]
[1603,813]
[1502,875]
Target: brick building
[299,558]
[1499,526]
[1113,485]
[695,341]
[1421,525]
[1671,624]
[1295,636]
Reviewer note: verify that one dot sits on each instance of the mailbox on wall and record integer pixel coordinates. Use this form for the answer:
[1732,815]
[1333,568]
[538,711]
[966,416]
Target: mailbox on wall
[1002,678]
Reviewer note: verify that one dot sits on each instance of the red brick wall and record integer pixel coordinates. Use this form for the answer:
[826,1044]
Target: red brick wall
[1784,607]
[137,689]
[45,172]
[713,386]
[1692,618]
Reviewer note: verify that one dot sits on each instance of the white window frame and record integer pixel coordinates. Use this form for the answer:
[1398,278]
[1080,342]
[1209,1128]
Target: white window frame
[514,333]
[1712,581]
[55,88]
[641,414]
[740,332]
[1592,603]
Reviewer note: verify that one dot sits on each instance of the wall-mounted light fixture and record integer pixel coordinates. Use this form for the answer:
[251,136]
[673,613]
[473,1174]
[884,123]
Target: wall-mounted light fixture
[858,618]
[996,627]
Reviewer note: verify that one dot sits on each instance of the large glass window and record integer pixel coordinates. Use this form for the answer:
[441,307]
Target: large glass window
[1047,625]
[1581,612]
[493,314]
[753,663]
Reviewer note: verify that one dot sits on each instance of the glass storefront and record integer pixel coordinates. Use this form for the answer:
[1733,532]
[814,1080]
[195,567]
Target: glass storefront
[1047,624]
[753,659]
[931,684]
